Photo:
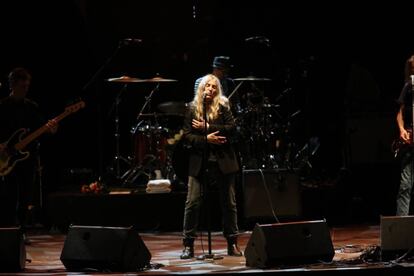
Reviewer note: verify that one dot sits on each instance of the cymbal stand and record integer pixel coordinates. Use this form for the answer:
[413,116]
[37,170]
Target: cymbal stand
[147,102]
[91,81]
[130,176]
[117,135]
[235,89]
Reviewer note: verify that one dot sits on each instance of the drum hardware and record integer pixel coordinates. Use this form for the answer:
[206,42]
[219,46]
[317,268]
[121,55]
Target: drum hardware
[288,152]
[149,122]
[128,79]
[242,80]
[258,140]
[252,78]
[140,173]
[155,149]
[92,80]
[235,90]
[158,79]
[117,158]
[283,94]
[303,156]
[173,107]
[259,40]
[150,137]
[261,136]
[264,138]
[125,79]
[148,99]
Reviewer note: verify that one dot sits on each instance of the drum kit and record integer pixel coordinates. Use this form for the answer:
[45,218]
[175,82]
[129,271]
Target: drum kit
[151,136]
[157,135]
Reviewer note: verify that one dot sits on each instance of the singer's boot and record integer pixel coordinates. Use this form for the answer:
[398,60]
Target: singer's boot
[232,247]
[188,251]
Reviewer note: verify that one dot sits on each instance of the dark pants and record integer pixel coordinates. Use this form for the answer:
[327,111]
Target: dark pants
[17,193]
[197,192]
[406,183]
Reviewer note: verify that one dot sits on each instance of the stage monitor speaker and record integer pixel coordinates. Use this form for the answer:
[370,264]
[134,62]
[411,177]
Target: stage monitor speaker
[396,236]
[104,249]
[12,250]
[289,244]
[265,190]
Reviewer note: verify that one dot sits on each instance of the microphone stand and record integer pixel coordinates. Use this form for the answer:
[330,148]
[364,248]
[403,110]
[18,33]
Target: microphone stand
[412,108]
[204,189]
[412,121]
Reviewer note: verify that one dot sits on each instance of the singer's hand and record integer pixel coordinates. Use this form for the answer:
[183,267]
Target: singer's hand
[213,138]
[199,124]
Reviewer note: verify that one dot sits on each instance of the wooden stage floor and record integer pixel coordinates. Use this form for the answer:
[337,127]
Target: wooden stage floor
[350,243]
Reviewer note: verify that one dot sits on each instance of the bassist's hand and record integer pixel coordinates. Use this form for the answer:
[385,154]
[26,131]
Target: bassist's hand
[405,136]
[52,125]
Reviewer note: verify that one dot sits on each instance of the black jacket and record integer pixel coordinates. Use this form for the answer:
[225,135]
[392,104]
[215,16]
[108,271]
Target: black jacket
[195,140]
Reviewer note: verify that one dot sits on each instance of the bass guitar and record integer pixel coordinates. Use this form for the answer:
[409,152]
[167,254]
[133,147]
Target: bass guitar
[12,152]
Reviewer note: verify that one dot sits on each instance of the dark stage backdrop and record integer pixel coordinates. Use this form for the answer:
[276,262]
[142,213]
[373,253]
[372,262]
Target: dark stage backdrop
[343,62]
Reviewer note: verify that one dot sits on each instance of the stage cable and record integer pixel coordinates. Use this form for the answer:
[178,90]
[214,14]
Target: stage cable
[268,196]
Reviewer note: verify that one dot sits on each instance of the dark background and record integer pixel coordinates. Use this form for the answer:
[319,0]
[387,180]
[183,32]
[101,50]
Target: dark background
[343,62]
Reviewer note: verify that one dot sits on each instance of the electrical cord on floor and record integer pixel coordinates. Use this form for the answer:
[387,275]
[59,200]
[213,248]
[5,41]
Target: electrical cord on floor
[402,257]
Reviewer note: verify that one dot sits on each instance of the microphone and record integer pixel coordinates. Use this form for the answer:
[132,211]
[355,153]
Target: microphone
[130,41]
[204,96]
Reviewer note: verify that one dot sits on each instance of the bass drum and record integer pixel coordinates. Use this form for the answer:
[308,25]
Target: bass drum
[150,142]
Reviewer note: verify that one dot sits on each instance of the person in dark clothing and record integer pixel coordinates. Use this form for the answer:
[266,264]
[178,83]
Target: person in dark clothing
[221,68]
[405,126]
[17,112]
[212,160]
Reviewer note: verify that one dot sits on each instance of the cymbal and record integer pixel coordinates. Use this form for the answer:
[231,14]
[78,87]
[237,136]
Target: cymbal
[172,107]
[125,79]
[159,79]
[252,79]
[156,115]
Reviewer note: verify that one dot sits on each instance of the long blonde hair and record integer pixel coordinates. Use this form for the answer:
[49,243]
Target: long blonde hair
[213,108]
